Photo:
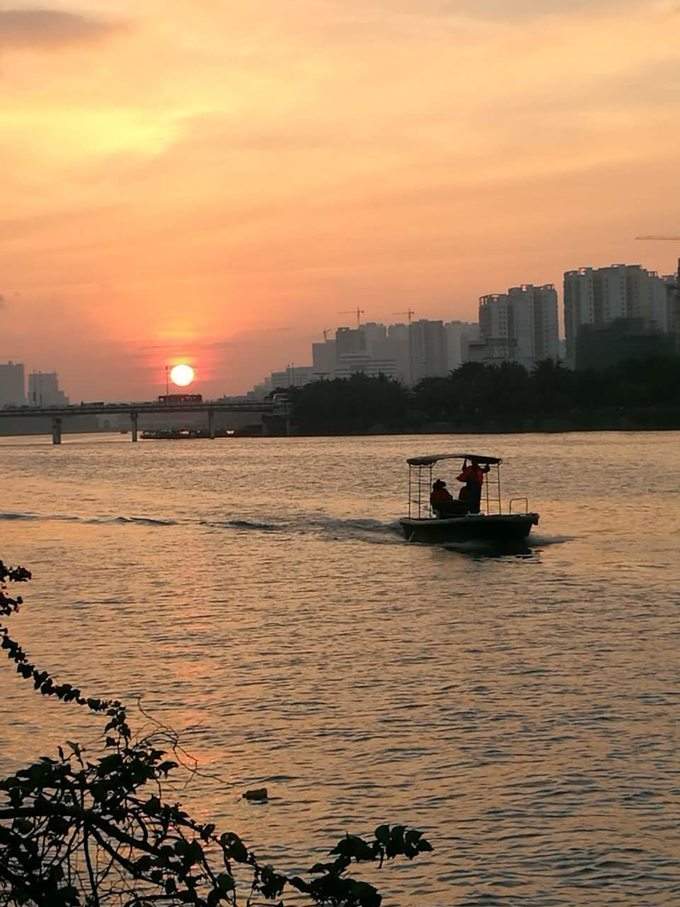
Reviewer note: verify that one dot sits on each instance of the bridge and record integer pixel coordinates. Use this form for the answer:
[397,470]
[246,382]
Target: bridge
[58,413]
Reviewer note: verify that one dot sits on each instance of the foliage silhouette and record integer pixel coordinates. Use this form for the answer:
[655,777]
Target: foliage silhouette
[94,830]
[642,393]
[348,406]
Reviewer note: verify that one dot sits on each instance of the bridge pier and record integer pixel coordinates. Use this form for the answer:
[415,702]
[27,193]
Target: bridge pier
[56,430]
[133,420]
[211,424]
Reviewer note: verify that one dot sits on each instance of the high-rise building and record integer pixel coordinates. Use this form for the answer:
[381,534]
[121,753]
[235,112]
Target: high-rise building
[350,341]
[44,390]
[600,296]
[374,333]
[672,282]
[600,346]
[323,359]
[519,326]
[364,350]
[12,384]
[351,352]
[291,376]
[459,335]
[370,366]
[427,350]
[398,349]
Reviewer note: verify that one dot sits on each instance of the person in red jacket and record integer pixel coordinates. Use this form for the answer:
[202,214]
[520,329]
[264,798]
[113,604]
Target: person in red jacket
[472,477]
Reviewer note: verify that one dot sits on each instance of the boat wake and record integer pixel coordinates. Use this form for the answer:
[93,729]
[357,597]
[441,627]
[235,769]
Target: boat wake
[485,548]
[331,528]
[139,520]
[512,548]
[325,527]
[89,520]
[367,530]
[542,541]
[243,525]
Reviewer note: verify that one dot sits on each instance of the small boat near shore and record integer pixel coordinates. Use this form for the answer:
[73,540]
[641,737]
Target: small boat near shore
[460,521]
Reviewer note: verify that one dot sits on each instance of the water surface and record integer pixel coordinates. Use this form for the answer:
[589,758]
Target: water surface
[522,710]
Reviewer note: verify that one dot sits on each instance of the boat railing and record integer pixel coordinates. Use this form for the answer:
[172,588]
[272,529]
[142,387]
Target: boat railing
[524,501]
[420,509]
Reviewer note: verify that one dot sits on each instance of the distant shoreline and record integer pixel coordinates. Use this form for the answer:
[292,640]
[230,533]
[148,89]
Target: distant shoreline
[554,428]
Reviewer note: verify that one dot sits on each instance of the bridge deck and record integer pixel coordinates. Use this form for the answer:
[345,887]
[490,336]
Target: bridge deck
[101,409]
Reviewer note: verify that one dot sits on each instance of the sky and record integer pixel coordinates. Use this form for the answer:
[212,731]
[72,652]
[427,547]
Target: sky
[218,182]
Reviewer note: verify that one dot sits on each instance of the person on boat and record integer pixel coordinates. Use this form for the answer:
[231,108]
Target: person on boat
[441,501]
[472,476]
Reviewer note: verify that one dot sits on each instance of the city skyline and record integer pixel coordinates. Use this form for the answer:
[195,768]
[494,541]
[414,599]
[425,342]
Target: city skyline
[492,347]
[225,182]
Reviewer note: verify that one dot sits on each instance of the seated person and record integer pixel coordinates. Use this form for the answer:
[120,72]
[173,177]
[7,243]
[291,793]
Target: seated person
[442,503]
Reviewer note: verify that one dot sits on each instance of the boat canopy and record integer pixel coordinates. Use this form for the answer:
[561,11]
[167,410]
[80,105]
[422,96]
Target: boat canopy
[435,458]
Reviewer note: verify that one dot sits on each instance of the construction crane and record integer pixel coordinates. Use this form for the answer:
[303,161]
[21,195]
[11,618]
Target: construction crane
[409,314]
[358,312]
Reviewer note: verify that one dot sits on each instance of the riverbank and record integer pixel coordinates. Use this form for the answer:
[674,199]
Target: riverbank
[647,421]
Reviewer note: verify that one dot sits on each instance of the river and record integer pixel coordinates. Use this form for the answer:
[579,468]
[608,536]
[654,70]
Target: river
[522,710]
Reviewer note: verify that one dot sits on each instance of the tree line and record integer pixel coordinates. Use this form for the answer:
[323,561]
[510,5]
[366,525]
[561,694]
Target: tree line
[640,394]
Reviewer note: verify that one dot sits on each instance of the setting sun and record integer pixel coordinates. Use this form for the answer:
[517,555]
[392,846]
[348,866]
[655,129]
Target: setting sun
[182,375]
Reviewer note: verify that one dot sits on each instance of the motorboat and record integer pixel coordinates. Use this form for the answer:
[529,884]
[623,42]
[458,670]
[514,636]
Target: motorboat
[463,520]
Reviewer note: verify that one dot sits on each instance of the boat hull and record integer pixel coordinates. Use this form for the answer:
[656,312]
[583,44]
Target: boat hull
[492,527]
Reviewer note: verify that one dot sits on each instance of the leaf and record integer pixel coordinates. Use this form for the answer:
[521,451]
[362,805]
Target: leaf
[207,831]
[234,848]
[271,883]
[225,882]
[75,748]
[364,894]
[382,835]
[152,805]
[335,868]
[300,884]
[395,845]
[143,864]
[58,825]
[355,848]
[23,826]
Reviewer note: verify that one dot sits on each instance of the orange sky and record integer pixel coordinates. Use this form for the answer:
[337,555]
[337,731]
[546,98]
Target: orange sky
[217,180]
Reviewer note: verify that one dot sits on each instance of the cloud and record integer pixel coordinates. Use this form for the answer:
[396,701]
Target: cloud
[511,10]
[45,28]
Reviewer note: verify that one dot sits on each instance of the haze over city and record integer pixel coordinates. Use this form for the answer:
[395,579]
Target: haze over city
[216,183]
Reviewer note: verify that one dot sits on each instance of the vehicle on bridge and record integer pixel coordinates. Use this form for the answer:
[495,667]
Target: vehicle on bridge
[180,398]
